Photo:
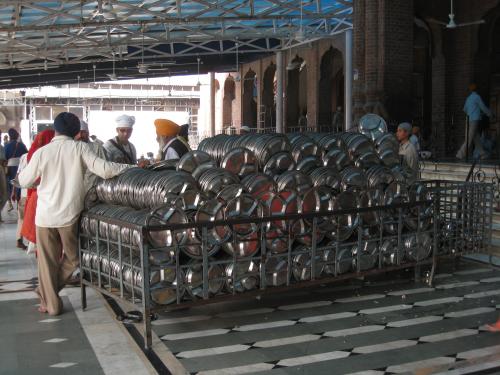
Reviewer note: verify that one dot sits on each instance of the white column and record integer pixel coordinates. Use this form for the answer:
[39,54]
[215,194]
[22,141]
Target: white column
[348,80]
[212,104]
[279,92]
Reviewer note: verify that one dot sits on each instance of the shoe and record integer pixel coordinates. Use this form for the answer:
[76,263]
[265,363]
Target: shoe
[493,327]
[21,245]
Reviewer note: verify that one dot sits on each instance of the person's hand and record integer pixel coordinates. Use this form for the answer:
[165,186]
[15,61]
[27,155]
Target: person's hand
[143,163]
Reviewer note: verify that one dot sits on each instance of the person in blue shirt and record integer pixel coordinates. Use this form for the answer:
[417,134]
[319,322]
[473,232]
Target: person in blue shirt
[474,108]
[13,151]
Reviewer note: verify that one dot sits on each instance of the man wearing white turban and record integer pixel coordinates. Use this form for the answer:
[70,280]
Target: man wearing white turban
[119,149]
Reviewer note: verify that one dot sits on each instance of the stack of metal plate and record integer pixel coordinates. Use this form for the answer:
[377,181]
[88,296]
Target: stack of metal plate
[140,188]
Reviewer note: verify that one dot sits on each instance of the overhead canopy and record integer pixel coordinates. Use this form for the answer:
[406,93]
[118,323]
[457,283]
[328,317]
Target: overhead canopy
[60,40]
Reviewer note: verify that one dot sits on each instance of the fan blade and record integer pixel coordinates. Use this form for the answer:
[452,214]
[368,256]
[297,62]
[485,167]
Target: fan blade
[159,69]
[432,20]
[471,23]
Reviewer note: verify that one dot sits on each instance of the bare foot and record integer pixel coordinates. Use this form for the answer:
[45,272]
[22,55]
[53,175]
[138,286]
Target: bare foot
[493,327]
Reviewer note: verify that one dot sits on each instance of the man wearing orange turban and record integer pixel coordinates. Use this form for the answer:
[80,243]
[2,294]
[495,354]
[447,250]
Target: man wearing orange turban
[166,135]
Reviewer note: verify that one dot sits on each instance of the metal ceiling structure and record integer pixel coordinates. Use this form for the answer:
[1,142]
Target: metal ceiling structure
[91,37]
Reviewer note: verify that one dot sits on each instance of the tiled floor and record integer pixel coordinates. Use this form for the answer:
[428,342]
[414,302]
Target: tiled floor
[383,327]
[76,342]
[34,343]
[387,326]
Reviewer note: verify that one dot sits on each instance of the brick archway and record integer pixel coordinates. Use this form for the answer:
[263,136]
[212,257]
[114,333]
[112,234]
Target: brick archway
[250,99]
[227,102]
[268,96]
[331,86]
[296,92]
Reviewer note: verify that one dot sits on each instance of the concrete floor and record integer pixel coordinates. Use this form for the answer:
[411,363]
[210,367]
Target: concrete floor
[381,326]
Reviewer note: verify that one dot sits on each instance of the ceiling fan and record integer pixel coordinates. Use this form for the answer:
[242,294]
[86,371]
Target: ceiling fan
[451,22]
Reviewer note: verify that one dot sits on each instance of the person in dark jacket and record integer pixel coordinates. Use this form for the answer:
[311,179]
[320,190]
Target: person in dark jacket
[13,151]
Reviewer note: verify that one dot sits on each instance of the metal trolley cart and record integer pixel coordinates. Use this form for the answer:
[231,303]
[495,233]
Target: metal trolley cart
[158,261]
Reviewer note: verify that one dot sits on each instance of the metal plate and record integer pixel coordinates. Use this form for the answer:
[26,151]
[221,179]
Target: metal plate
[213,210]
[192,160]
[194,279]
[372,125]
[279,163]
[301,265]
[242,276]
[240,161]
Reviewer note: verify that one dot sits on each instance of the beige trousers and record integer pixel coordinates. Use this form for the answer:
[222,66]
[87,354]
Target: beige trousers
[54,266]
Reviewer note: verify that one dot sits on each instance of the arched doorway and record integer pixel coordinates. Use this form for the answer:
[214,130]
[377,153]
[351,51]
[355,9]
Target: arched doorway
[250,99]
[422,79]
[331,86]
[296,93]
[227,102]
[268,97]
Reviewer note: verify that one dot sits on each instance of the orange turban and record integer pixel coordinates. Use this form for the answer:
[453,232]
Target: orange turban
[166,128]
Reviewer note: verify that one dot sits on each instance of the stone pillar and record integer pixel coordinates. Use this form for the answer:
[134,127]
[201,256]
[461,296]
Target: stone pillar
[359,57]
[348,80]
[212,104]
[280,65]
[313,62]
[383,57]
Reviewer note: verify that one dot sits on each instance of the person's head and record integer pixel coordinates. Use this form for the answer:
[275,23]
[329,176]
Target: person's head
[83,134]
[13,134]
[6,138]
[67,123]
[184,131]
[244,129]
[41,139]
[165,131]
[415,130]
[124,127]
[472,87]
[403,132]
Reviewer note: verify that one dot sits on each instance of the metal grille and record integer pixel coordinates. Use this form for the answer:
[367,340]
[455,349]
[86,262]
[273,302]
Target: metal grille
[464,215]
[160,267]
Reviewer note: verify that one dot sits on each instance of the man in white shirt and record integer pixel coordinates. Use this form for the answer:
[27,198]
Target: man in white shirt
[166,136]
[61,166]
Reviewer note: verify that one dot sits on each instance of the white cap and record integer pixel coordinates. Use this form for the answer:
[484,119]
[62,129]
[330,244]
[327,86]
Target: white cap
[84,125]
[245,128]
[125,121]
